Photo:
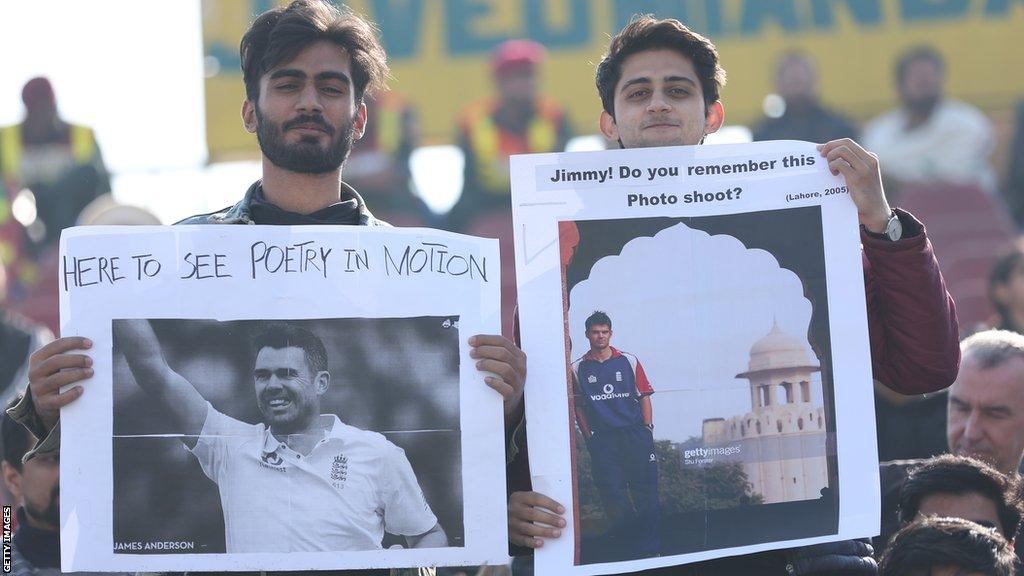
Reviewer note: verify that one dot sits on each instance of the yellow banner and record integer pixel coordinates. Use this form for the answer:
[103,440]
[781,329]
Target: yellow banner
[439,51]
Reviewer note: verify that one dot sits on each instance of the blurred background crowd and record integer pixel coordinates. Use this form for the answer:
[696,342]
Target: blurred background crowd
[934,88]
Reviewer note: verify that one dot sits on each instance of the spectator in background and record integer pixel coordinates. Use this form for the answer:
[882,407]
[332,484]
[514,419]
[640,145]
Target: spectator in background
[803,116]
[36,489]
[379,163]
[1006,290]
[58,161]
[931,138]
[18,338]
[985,417]
[962,487]
[517,120]
[948,547]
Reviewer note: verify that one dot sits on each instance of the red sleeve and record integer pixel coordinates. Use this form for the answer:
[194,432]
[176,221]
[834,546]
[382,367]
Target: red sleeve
[911,318]
[643,386]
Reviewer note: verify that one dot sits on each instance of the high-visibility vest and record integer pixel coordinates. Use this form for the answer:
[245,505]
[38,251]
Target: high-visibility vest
[83,148]
[388,110]
[492,145]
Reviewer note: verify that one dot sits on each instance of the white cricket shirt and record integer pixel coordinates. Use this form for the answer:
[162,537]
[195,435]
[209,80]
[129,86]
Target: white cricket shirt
[343,495]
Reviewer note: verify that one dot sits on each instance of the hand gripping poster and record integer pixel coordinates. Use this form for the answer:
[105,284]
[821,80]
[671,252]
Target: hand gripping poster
[700,379]
[276,398]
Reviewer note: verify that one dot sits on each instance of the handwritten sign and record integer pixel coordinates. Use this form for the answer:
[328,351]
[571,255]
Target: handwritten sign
[359,331]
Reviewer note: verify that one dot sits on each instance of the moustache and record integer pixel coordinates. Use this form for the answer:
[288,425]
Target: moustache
[309,119]
[659,121]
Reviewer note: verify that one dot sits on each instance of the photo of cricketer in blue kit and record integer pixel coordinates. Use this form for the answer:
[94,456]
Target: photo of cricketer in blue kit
[614,414]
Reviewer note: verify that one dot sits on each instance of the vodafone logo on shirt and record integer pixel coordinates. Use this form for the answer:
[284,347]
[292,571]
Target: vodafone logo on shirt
[609,394]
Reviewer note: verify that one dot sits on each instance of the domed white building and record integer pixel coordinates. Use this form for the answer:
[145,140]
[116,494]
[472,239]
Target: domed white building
[782,438]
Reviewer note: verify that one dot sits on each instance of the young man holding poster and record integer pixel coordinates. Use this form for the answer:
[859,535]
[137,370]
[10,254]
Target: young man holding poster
[306,67]
[659,86]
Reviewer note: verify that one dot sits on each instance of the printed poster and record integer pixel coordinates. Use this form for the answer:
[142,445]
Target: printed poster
[700,379]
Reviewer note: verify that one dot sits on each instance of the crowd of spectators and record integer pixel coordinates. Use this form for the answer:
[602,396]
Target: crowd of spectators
[949,502]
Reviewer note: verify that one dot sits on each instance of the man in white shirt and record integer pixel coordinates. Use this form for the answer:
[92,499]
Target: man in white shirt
[931,138]
[323,485]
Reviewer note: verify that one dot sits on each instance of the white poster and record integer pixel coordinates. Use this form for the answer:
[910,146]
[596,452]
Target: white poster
[700,379]
[280,398]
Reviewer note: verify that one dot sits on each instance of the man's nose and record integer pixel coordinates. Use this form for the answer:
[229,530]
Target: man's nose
[658,102]
[973,428]
[309,100]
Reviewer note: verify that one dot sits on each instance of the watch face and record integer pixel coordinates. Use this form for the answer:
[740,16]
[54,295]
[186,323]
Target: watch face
[894,229]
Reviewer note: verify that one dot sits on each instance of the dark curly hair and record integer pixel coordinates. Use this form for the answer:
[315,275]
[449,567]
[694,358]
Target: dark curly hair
[645,33]
[279,35]
[948,474]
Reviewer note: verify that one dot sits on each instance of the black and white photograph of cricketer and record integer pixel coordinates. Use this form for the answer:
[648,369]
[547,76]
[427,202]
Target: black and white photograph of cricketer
[339,434]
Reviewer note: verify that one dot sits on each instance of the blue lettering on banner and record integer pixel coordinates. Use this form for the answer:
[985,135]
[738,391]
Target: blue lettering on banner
[756,13]
[864,12]
[459,18]
[403,23]
[400,26]
[916,10]
[623,10]
[575,33]
[1000,7]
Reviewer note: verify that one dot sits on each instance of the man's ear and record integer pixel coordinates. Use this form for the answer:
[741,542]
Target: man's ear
[323,382]
[12,478]
[359,121]
[714,117]
[249,116]
[608,126]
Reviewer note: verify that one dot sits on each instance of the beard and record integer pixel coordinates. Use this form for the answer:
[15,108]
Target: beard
[924,105]
[48,515]
[306,156]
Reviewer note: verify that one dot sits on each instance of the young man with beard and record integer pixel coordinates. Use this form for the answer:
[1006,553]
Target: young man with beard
[294,450]
[306,67]
[659,86]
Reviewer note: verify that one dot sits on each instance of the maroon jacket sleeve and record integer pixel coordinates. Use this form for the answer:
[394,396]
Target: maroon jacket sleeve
[911,318]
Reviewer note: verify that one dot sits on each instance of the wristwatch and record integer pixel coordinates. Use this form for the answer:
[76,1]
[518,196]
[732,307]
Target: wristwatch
[893,229]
